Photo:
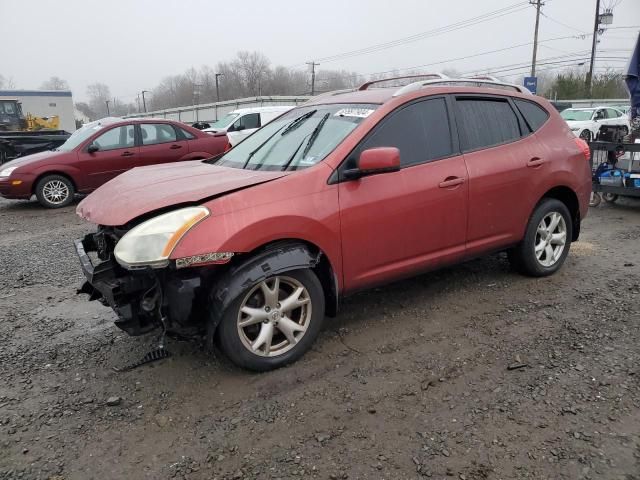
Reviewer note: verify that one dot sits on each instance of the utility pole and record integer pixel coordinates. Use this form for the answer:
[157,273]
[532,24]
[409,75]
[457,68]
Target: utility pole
[107,102]
[313,66]
[144,102]
[594,43]
[217,86]
[538,4]
[138,102]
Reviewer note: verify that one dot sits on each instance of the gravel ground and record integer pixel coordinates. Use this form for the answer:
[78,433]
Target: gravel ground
[472,372]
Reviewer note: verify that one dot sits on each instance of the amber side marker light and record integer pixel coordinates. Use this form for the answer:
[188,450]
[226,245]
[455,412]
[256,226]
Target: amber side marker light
[175,238]
[16,182]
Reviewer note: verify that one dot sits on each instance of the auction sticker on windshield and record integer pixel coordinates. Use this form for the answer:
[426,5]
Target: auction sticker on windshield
[354,112]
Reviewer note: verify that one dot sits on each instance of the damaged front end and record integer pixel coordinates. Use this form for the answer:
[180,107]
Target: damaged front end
[144,299]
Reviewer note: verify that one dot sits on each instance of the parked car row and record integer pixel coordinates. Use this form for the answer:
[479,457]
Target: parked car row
[349,191]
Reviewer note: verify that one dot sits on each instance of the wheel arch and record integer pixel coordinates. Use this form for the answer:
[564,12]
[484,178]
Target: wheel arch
[271,258]
[53,172]
[569,197]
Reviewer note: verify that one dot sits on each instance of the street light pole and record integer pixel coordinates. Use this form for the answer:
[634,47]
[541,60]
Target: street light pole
[144,102]
[217,86]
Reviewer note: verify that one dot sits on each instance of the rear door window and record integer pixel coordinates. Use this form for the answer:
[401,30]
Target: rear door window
[485,122]
[611,113]
[420,131]
[154,133]
[533,114]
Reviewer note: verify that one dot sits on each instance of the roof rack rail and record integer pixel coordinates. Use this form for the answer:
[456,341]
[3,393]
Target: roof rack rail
[473,82]
[365,86]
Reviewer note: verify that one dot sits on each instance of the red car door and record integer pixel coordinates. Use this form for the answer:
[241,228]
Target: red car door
[504,164]
[109,154]
[161,144]
[396,224]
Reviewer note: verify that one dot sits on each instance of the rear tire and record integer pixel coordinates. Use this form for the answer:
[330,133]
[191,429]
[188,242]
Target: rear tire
[610,197]
[546,241]
[263,331]
[55,191]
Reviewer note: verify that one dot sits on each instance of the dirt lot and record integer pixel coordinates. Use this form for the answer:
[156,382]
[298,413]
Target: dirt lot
[410,381]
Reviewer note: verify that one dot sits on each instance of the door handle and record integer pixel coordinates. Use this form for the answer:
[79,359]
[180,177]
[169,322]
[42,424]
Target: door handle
[127,154]
[451,182]
[175,147]
[535,162]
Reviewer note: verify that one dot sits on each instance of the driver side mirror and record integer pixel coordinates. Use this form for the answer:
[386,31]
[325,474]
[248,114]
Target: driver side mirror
[374,161]
[93,148]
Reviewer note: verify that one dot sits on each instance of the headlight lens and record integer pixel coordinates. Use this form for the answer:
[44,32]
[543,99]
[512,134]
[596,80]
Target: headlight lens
[7,171]
[150,243]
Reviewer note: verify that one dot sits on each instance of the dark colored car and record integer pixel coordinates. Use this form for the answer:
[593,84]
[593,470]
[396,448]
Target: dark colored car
[349,191]
[100,151]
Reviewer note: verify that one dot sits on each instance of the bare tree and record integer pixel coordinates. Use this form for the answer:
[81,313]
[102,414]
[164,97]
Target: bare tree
[7,83]
[55,83]
[98,94]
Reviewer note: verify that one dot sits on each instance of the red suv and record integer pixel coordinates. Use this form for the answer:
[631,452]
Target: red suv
[351,190]
[99,151]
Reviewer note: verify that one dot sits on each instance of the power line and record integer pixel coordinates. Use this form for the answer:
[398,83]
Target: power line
[440,62]
[429,33]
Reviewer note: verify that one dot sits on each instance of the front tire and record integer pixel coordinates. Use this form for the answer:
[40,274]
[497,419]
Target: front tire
[55,191]
[274,322]
[546,242]
[610,197]
[585,135]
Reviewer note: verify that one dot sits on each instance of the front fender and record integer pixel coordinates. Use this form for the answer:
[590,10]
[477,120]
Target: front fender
[278,258]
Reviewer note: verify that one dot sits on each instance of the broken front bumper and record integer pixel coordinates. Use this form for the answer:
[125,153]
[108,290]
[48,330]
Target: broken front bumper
[142,299]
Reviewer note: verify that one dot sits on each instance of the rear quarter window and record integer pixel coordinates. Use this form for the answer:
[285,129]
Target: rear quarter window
[533,114]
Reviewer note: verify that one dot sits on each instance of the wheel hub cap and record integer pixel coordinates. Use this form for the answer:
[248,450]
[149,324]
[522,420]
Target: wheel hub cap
[551,239]
[274,316]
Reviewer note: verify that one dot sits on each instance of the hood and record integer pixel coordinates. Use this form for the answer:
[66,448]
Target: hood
[34,158]
[143,190]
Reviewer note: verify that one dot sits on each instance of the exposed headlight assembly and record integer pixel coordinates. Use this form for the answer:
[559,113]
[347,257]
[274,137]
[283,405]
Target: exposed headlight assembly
[150,243]
[7,171]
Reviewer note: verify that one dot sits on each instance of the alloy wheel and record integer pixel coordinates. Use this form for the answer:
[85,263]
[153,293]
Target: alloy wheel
[55,192]
[274,316]
[551,239]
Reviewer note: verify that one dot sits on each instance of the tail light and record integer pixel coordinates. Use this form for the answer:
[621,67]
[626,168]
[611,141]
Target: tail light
[584,146]
[228,147]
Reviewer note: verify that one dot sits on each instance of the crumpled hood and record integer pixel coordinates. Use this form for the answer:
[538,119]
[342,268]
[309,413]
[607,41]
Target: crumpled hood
[143,190]
[34,158]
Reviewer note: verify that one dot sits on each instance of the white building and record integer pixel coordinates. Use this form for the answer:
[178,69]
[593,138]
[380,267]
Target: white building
[45,103]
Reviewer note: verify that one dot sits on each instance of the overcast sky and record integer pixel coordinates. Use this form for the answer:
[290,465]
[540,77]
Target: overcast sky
[131,44]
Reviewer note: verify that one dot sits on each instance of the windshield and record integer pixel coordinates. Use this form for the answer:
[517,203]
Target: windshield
[80,136]
[576,115]
[225,121]
[299,139]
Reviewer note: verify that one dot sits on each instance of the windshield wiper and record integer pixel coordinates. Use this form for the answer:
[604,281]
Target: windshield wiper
[315,133]
[287,128]
[312,138]
[297,122]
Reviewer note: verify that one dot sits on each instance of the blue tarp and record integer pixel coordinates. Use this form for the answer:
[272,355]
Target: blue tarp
[633,80]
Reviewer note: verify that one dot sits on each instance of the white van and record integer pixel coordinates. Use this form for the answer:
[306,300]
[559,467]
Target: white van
[241,123]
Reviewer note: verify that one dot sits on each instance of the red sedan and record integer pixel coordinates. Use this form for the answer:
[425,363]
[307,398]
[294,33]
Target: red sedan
[98,152]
